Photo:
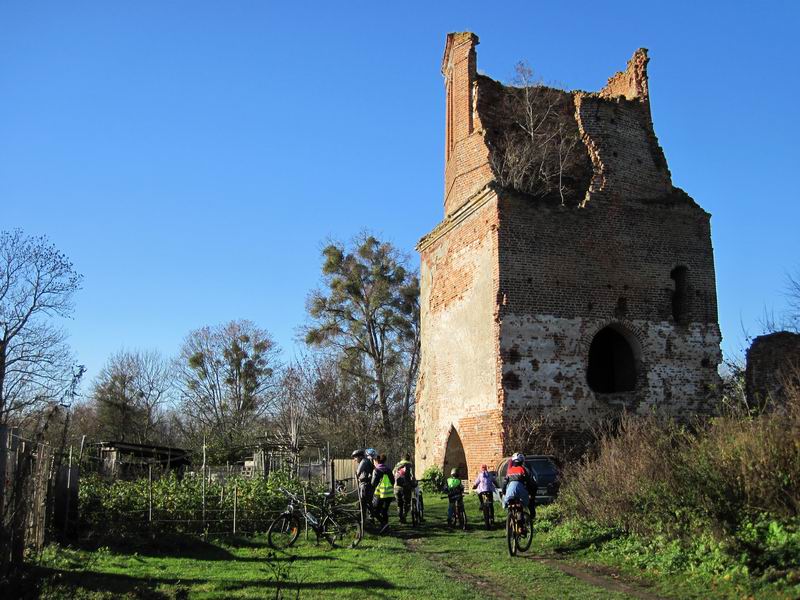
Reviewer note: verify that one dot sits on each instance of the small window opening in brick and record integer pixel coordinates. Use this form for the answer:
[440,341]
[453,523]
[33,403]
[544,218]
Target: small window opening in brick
[612,364]
[680,295]
[454,456]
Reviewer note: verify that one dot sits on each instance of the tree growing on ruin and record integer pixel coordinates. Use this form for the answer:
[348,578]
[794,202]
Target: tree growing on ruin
[539,151]
[366,311]
[227,382]
[37,284]
[130,395]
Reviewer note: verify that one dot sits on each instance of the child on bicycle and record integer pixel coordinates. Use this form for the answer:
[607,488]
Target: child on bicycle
[484,484]
[520,484]
[455,495]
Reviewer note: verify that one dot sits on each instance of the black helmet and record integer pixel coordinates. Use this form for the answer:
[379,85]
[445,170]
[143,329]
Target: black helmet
[358,453]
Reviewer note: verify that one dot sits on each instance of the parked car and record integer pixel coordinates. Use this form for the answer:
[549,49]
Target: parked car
[544,469]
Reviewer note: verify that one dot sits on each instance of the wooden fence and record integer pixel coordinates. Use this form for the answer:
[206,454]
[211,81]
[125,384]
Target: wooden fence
[37,495]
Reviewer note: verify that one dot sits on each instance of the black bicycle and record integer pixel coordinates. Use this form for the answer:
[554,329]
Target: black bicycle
[339,525]
[519,530]
[487,508]
[459,515]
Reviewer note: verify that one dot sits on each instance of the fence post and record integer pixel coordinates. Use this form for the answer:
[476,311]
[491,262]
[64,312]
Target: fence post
[150,493]
[235,498]
[332,474]
[69,491]
[203,487]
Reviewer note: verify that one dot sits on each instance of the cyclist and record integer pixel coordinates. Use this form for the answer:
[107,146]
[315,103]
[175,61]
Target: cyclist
[520,484]
[383,486]
[484,483]
[404,484]
[455,495]
[364,477]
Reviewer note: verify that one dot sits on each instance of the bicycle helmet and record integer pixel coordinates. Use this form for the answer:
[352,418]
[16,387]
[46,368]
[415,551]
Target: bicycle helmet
[453,472]
[371,452]
[358,453]
[517,458]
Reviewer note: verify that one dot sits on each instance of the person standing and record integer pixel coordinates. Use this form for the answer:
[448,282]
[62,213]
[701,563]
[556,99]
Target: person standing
[404,484]
[364,477]
[383,486]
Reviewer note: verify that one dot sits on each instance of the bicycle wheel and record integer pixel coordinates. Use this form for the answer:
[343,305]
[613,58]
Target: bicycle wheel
[283,531]
[421,509]
[414,513]
[511,533]
[462,518]
[342,530]
[524,541]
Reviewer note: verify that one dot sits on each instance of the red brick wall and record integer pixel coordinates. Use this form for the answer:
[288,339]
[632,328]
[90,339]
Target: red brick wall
[467,167]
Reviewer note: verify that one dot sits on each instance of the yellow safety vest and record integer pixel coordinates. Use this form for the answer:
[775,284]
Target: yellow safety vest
[385,488]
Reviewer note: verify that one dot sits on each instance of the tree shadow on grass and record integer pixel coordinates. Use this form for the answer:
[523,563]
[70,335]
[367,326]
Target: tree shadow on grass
[163,546]
[72,583]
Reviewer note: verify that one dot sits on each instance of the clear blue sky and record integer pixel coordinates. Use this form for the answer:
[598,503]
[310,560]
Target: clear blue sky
[192,157]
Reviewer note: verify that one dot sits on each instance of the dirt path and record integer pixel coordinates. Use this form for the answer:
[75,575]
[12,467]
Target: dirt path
[485,586]
[597,578]
[603,579]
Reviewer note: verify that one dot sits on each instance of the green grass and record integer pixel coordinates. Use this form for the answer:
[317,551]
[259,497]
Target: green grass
[430,562]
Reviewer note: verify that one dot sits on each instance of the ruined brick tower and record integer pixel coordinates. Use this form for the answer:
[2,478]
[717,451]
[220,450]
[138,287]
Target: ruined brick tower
[569,278]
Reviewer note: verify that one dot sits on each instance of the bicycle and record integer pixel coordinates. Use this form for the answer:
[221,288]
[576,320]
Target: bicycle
[487,508]
[333,523]
[417,508]
[460,515]
[519,535]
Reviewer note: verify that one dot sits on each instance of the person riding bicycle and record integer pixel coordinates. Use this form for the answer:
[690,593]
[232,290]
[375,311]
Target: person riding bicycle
[455,495]
[383,486]
[404,484]
[484,483]
[520,484]
[364,478]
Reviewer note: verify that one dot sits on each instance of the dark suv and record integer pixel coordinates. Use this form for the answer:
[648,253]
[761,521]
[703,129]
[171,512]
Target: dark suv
[546,472]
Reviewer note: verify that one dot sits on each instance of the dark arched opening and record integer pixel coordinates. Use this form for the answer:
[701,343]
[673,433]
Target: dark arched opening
[454,456]
[680,295]
[612,364]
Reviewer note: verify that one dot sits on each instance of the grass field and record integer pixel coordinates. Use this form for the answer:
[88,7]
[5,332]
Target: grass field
[429,562]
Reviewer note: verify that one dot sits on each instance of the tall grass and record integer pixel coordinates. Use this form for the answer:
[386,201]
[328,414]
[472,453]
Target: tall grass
[734,479]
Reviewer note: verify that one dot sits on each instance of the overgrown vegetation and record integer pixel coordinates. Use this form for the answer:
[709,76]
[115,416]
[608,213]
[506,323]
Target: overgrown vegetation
[720,501]
[123,508]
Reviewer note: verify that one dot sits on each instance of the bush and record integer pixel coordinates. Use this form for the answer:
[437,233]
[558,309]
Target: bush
[726,495]
[432,480]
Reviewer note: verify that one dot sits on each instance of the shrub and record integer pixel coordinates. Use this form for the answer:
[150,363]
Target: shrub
[432,480]
[727,493]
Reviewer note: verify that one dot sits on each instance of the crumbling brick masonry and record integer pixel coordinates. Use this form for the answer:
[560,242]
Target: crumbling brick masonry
[573,290]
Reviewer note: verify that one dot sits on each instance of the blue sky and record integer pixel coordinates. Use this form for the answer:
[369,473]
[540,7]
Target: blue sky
[192,157]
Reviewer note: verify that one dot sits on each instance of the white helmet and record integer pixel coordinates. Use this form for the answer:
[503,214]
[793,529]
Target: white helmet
[518,458]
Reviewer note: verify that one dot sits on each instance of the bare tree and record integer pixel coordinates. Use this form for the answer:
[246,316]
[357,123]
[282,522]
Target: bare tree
[130,394]
[292,405]
[37,283]
[227,382]
[539,150]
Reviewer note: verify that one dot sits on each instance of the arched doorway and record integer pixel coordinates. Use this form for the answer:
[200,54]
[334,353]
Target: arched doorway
[454,456]
[612,363]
